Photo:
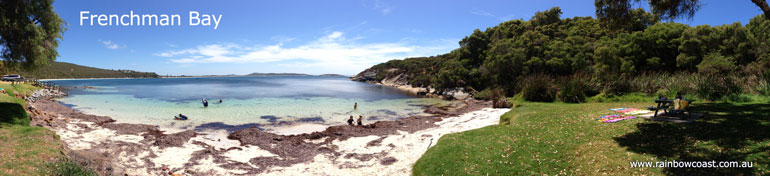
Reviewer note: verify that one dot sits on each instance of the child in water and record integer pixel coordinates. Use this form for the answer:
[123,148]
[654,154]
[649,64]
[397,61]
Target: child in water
[359,120]
[350,120]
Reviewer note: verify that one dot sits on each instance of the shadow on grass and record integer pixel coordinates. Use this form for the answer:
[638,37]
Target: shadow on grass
[13,113]
[729,132]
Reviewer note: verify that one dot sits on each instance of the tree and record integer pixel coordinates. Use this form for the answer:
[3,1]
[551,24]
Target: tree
[614,12]
[29,33]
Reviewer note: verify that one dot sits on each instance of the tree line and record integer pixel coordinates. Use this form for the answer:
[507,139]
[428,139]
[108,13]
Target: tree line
[515,53]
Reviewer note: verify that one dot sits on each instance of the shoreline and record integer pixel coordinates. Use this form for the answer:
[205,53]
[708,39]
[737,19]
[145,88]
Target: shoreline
[67,79]
[119,148]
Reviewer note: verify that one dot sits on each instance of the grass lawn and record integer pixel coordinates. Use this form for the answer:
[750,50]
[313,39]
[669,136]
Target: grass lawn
[557,138]
[28,150]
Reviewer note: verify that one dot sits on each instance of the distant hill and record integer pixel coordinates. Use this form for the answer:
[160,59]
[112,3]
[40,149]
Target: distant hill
[277,74]
[61,70]
[333,75]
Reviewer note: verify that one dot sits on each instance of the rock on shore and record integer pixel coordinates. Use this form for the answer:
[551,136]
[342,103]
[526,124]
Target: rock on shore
[398,80]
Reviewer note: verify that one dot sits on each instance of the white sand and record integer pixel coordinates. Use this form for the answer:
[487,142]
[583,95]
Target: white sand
[408,147]
[76,141]
[248,153]
[175,157]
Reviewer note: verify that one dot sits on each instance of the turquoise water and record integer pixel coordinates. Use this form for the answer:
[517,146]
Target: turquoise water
[247,101]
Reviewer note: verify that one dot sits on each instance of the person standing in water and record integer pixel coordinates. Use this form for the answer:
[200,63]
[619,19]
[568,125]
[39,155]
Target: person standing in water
[359,120]
[350,120]
[205,102]
[355,106]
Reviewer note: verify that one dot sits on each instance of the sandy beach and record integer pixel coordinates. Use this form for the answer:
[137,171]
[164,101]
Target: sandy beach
[380,148]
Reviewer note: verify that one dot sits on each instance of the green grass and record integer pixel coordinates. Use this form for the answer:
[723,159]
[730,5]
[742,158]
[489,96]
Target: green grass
[632,97]
[29,150]
[557,138]
[12,108]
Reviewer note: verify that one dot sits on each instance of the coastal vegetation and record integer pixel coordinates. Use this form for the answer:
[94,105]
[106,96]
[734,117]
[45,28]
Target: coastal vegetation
[541,58]
[29,150]
[59,70]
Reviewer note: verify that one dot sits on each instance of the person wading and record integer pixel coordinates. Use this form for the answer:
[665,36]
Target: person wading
[359,120]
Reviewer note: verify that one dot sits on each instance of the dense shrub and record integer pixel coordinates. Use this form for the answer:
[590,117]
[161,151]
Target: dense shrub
[764,85]
[573,91]
[498,98]
[653,58]
[538,88]
[714,87]
[618,87]
[482,95]
[715,63]
[66,167]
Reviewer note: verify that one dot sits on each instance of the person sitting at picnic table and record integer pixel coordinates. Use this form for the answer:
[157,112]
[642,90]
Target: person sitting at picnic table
[680,104]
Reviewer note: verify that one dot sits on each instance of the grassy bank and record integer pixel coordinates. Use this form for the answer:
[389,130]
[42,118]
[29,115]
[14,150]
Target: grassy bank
[29,150]
[557,138]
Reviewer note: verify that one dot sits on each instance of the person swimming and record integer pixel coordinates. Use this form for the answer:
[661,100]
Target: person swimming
[205,103]
[182,117]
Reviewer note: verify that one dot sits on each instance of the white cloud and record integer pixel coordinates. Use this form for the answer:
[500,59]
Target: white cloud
[378,5]
[332,52]
[110,45]
[480,12]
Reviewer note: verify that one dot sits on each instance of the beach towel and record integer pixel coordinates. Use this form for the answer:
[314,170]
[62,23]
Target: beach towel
[613,118]
[627,110]
[618,119]
[637,112]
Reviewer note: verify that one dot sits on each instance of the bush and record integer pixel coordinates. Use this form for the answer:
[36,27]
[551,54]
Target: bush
[537,88]
[618,87]
[764,86]
[714,63]
[66,167]
[498,98]
[483,95]
[714,87]
[573,91]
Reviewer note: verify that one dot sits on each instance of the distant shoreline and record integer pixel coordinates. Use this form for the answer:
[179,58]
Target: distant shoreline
[212,76]
[61,79]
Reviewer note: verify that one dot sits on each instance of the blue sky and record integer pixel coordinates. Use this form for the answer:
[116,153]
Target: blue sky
[314,37]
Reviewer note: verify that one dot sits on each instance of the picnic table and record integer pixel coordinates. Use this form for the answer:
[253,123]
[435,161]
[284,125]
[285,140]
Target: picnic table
[665,105]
